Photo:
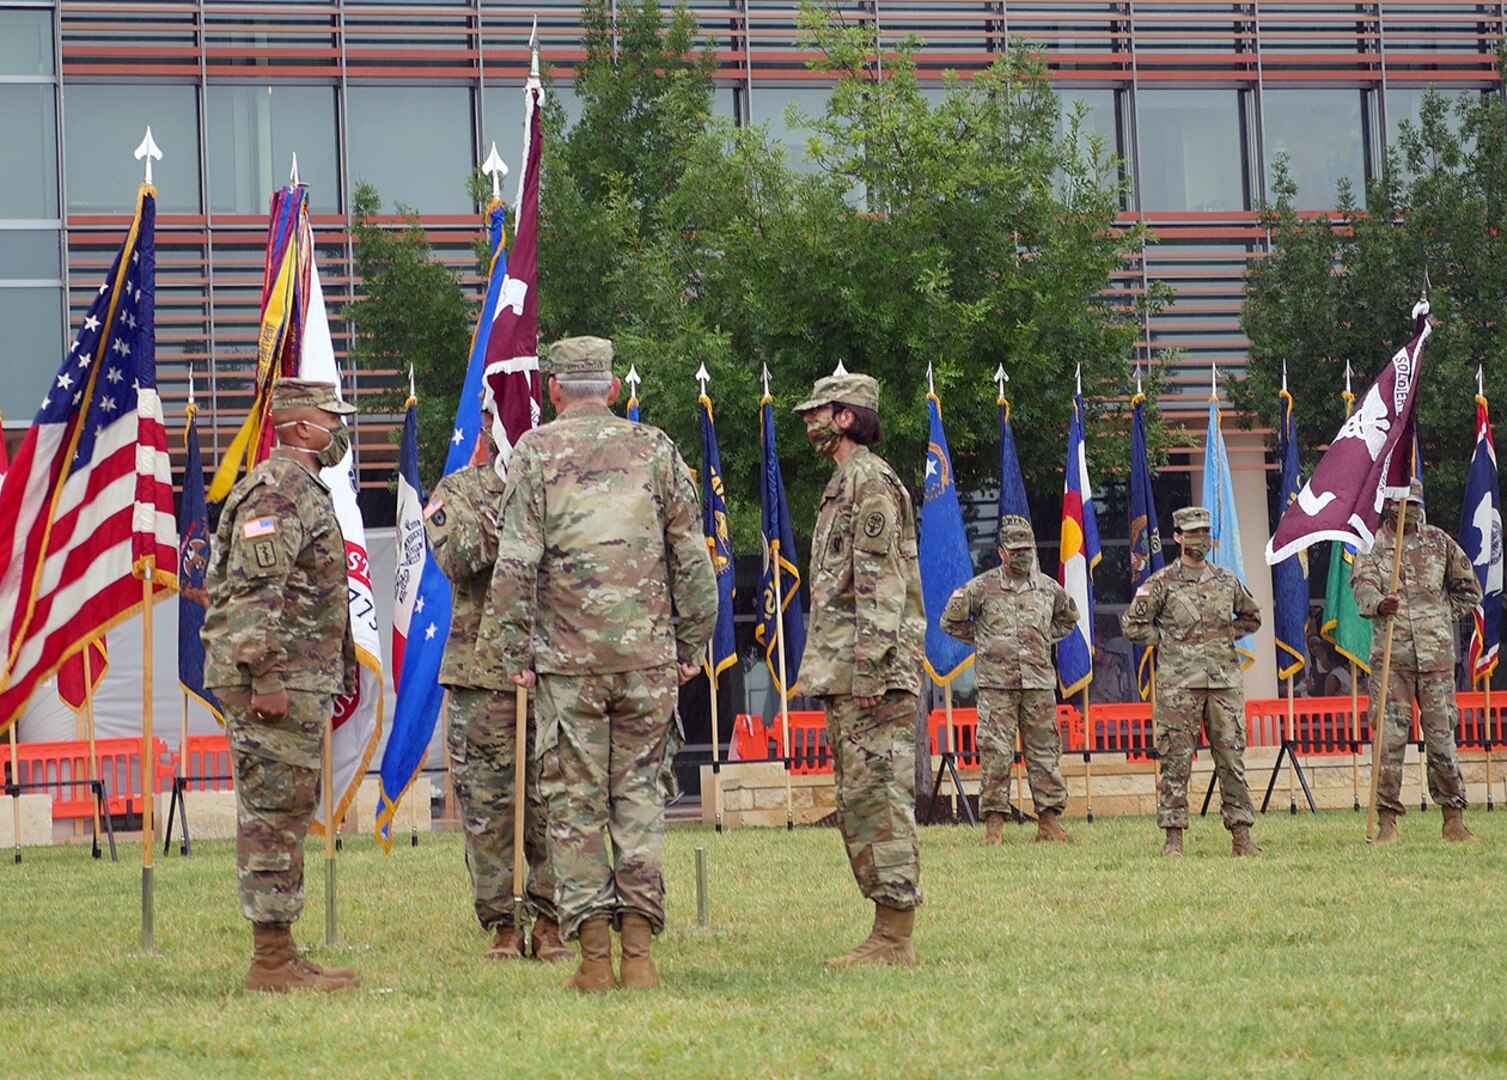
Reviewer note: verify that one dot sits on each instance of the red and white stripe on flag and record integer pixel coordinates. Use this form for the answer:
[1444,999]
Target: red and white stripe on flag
[87,505]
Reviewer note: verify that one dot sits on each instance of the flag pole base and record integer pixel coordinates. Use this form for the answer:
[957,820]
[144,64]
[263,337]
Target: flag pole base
[146,909]
[331,931]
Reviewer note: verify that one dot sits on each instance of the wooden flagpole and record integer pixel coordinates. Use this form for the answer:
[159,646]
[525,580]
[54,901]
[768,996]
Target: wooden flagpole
[1292,751]
[520,800]
[1379,714]
[1088,760]
[946,746]
[711,681]
[89,720]
[779,637]
[15,779]
[449,777]
[148,772]
[331,930]
[1355,733]
[1019,767]
[1486,686]
[1156,759]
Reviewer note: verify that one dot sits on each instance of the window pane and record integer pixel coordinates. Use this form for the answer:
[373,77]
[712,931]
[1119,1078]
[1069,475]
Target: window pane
[767,106]
[104,123]
[504,119]
[30,255]
[1320,132]
[31,347]
[29,151]
[1098,115]
[254,131]
[1406,103]
[1191,155]
[26,42]
[413,144]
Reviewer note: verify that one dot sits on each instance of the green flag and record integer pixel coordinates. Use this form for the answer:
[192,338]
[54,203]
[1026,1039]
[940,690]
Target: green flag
[1343,626]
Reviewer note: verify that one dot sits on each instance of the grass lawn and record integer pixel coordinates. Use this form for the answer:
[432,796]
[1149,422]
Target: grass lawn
[1323,958]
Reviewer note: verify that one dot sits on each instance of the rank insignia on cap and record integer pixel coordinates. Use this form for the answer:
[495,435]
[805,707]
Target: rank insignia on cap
[260,527]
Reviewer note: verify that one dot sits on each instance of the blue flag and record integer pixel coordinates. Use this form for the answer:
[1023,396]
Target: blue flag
[1012,488]
[1290,576]
[1079,554]
[1219,500]
[1481,537]
[193,565]
[724,648]
[947,565]
[780,582]
[1145,537]
[419,692]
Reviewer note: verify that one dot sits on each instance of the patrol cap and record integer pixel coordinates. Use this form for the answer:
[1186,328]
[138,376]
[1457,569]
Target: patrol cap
[1415,492]
[1192,517]
[861,390]
[581,356]
[308,394]
[1015,532]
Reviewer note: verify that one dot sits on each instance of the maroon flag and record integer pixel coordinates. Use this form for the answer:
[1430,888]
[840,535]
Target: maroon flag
[1370,459]
[512,359]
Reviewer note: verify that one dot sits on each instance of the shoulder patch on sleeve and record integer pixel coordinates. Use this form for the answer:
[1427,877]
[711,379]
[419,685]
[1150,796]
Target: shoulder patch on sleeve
[259,527]
[875,524]
[436,506]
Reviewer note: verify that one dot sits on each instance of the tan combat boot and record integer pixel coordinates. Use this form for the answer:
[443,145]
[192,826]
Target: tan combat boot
[890,943]
[275,968]
[507,944]
[1174,844]
[345,976]
[1386,832]
[994,829]
[1241,842]
[638,971]
[1454,827]
[547,943]
[595,970]
[1047,828]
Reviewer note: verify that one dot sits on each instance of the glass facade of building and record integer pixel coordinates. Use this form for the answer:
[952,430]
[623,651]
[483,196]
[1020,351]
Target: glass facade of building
[1198,98]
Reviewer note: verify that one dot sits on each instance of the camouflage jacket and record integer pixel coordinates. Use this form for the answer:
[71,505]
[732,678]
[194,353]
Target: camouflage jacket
[1438,587]
[868,627]
[600,536]
[461,523]
[1013,623]
[279,615]
[1194,616]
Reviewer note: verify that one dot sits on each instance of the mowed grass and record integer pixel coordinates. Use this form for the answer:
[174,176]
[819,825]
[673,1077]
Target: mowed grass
[1324,958]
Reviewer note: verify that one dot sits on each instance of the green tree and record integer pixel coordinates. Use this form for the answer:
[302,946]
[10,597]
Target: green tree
[1340,290]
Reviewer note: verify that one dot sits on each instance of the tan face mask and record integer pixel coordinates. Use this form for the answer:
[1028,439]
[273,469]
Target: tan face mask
[823,436]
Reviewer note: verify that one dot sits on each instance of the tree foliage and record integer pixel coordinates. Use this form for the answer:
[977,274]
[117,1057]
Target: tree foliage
[1340,290]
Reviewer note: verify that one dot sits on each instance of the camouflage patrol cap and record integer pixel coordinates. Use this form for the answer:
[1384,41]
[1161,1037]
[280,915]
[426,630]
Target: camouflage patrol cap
[581,356]
[1015,532]
[1415,492]
[308,394]
[1192,517]
[861,390]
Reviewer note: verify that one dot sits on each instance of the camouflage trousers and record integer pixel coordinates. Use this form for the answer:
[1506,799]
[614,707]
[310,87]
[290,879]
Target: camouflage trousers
[1438,717]
[483,768]
[1180,714]
[874,765]
[277,768]
[602,748]
[1034,713]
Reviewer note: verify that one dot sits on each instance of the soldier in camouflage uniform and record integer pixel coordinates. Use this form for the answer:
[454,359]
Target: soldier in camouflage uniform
[600,536]
[1194,612]
[1013,615]
[1438,587]
[278,648]
[863,657]
[461,523]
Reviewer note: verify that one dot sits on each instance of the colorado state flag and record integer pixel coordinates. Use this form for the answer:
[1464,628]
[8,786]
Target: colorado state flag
[1079,555]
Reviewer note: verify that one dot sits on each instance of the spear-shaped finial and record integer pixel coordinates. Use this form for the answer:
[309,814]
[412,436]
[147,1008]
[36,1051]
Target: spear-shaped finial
[1000,378]
[1347,378]
[1480,382]
[1284,376]
[839,370]
[931,386]
[191,386]
[1138,391]
[148,150]
[293,172]
[703,378]
[496,168]
[533,45]
[413,393]
[632,379]
[766,380]
[1213,380]
[1078,379]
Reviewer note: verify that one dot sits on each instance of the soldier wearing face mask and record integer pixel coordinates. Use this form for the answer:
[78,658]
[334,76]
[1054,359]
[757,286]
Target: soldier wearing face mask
[1013,615]
[1194,612]
[1437,588]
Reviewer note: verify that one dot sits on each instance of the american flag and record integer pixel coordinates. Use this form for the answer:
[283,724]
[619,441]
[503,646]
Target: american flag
[87,506]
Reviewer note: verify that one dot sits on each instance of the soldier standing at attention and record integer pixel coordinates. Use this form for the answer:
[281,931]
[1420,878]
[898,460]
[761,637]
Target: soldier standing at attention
[1013,615]
[1438,587]
[1194,612]
[863,657]
[278,648]
[600,535]
[461,523]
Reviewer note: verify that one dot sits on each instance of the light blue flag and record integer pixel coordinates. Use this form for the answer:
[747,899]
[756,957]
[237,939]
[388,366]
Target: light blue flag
[947,564]
[1219,500]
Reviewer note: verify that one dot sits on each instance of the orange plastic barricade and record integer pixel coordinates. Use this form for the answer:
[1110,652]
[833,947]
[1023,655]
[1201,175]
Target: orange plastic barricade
[809,752]
[964,742]
[1474,729]
[205,761]
[1321,725]
[1122,727]
[63,768]
[750,740]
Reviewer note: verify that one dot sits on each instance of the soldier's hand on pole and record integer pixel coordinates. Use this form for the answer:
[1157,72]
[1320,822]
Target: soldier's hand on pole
[688,672]
[525,678]
[272,706]
[1388,605]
